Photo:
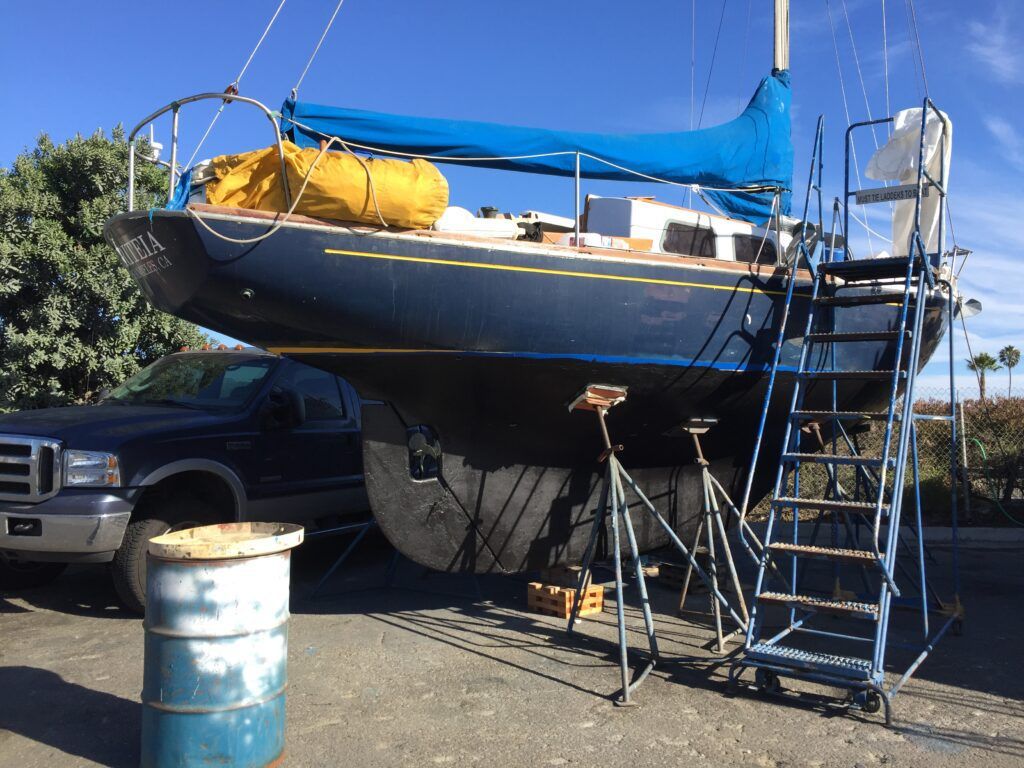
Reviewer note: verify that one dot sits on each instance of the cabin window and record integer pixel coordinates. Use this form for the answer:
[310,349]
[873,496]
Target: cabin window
[689,240]
[747,247]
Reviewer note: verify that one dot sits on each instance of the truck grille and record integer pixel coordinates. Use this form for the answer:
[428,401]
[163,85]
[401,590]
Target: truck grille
[29,468]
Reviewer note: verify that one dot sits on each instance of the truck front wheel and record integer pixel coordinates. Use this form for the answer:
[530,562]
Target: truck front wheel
[128,567]
[25,574]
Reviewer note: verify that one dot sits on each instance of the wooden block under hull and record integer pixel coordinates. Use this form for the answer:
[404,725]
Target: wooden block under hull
[557,601]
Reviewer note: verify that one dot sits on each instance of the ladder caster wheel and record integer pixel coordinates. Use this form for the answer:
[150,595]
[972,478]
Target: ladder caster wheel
[870,702]
[767,681]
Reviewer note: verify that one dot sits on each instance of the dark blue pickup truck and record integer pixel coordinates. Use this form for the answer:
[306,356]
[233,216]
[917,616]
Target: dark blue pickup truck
[195,438]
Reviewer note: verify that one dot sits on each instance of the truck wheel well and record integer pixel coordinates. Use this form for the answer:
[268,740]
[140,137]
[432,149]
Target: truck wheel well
[201,486]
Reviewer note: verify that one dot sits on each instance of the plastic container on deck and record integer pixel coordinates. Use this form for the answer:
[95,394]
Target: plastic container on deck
[217,645]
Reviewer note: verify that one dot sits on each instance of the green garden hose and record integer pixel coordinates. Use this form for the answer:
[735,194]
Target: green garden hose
[991,485]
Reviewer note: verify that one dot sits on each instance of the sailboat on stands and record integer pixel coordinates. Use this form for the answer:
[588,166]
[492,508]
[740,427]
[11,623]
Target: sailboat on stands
[466,336]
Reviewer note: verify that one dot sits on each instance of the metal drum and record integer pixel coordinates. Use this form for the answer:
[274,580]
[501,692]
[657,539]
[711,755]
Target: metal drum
[216,625]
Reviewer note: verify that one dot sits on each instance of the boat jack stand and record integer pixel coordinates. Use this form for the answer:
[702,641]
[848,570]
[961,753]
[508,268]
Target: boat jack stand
[711,523]
[599,399]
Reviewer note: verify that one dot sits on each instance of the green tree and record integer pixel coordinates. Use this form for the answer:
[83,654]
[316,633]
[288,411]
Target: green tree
[72,321]
[1009,356]
[980,364]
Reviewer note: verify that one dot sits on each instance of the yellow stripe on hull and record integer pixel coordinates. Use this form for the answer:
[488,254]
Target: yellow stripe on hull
[555,272]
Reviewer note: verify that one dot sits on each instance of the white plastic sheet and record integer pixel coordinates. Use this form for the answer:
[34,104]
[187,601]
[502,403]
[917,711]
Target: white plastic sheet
[897,161]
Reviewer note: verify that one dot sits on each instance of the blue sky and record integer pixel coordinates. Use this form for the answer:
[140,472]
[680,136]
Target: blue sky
[599,66]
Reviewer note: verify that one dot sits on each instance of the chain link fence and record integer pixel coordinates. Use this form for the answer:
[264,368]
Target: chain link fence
[988,460]
[989,457]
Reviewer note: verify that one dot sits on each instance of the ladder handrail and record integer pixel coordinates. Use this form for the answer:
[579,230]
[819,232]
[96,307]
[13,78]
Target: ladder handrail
[817,163]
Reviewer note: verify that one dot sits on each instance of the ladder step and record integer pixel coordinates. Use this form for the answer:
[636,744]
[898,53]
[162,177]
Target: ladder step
[837,554]
[784,656]
[858,375]
[828,338]
[843,415]
[851,608]
[831,458]
[868,269]
[829,505]
[859,299]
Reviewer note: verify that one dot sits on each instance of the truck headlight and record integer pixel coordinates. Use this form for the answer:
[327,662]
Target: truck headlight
[91,468]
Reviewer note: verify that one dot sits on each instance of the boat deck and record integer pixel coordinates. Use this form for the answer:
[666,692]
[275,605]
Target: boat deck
[761,271]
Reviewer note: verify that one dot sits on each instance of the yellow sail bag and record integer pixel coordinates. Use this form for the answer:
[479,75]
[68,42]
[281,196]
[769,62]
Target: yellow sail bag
[410,195]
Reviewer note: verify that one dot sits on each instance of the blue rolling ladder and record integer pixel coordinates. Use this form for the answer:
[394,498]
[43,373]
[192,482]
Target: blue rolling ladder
[864,516]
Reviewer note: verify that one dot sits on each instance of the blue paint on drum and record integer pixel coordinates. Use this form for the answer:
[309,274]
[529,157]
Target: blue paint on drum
[177,739]
[215,661]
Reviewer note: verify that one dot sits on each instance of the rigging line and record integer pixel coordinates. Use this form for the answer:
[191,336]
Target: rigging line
[846,107]
[913,59]
[316,50]
[693,57]
[768,229]
[707,202]
[693,74]
[743,61]
[860,73]
[920,51]
[711,68]
[206,133]
[234,85]
[259,42]
[956,246]
[885,65]
[912,22]
[863,222]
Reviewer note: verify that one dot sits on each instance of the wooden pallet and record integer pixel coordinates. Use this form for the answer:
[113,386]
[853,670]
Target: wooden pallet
[563,576]
[557,601]
[673,574]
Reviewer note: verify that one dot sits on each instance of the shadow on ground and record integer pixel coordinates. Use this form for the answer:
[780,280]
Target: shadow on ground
[71,718]
[83,590]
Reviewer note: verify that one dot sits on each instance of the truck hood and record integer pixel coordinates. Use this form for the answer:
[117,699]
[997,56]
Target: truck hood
[104,427]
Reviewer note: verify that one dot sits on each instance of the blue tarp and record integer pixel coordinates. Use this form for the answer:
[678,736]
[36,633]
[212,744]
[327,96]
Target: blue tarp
[747,154]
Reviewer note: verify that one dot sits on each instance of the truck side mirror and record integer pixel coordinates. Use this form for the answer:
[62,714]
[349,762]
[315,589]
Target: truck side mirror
[284,409]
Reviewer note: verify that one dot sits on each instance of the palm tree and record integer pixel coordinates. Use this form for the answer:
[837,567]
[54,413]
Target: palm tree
[980,364]
[1009,356]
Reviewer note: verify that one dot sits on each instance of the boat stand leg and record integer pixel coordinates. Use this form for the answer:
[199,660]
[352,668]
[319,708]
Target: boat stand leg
[730,563]
[689,567]
[641,582]
[711,525]
[362,529]
[620,607]
[679,545]
[716,609]
[588,555]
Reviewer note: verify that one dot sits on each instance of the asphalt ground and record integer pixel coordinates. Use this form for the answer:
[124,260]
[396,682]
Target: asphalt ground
[452,670]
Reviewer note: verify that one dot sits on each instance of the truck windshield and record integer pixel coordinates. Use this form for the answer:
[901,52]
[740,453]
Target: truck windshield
[204,380]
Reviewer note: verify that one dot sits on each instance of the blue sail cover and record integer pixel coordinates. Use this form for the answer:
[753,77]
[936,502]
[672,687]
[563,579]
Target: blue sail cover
[750,156]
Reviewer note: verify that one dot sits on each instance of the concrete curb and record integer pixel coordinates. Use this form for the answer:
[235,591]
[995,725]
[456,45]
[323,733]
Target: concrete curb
[970,536]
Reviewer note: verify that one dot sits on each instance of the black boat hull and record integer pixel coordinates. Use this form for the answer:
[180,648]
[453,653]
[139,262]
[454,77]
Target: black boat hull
[481,345]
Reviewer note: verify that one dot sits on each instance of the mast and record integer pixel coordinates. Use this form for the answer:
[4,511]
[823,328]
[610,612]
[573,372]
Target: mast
[781,34]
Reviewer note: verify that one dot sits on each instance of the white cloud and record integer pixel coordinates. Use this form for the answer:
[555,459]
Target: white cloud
[1011,143]
[996,46]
